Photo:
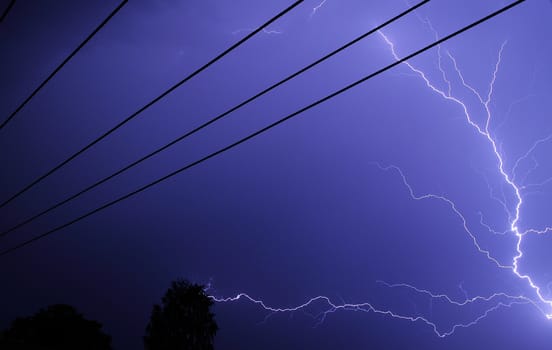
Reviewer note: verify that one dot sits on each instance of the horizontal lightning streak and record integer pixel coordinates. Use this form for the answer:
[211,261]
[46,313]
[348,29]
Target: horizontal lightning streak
[264,30]
[369,307]
[456,302]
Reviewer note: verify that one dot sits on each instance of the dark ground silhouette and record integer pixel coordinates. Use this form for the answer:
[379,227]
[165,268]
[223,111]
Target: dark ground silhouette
[183,321]
[58,327]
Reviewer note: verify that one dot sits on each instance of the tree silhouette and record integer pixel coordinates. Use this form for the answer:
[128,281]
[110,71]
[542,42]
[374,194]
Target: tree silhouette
[58,327]
[183,321]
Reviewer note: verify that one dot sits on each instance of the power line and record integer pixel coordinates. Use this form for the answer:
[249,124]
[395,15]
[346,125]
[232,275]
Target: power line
[62,64]
[258,132]
[211,121]
[7,10]
[149,104]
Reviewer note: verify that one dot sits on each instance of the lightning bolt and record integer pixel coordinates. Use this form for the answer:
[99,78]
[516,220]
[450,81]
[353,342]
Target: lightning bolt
[527,154]
[277,32]
[249,30]
[452,206]
[483,129]
[329,306]
[316,8]
[513,183]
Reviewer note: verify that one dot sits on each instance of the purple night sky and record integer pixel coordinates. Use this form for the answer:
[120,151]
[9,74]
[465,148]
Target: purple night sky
[386,204]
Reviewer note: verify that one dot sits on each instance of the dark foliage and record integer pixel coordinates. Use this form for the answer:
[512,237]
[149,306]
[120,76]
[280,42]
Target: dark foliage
[58,327]
[183,321]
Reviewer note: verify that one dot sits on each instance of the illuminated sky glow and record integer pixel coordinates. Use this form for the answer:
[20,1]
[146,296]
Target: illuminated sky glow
[410,212]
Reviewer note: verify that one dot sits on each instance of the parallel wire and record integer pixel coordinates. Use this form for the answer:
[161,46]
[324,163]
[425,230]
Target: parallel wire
[7,10]
[149,104]
[62,64]
[211,121]
[250,136]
